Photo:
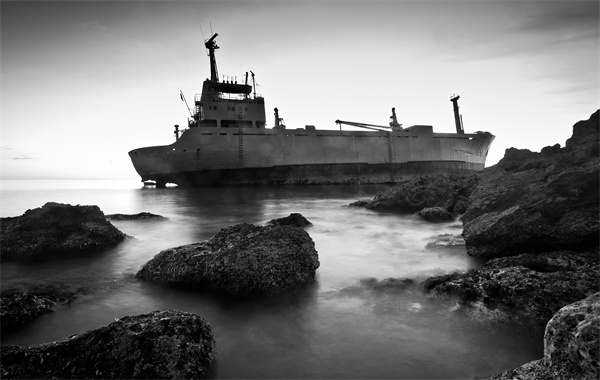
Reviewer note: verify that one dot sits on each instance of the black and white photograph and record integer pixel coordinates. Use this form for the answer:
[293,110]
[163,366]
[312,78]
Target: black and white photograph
[302,189]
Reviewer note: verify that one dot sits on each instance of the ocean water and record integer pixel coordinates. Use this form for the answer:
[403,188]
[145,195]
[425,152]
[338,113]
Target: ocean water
[337,328]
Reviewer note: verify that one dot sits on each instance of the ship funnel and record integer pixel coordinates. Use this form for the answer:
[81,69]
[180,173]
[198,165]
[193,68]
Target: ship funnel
[457,116]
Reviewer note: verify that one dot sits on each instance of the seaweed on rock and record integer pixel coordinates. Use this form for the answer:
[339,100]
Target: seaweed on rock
[163,344]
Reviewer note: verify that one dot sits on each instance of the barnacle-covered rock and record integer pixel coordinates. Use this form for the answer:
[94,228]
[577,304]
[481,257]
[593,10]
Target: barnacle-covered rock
[163,344]
[56,229]
[241,260]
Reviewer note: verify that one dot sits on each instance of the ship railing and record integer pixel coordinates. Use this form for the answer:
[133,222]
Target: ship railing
[223,97]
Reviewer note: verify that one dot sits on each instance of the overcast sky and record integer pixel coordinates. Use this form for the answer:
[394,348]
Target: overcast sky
[84,82]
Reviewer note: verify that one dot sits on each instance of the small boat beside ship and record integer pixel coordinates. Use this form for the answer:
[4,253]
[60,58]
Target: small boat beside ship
[227,142]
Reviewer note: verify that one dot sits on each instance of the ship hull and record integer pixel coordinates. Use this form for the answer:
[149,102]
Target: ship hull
[315,174]
[226,156]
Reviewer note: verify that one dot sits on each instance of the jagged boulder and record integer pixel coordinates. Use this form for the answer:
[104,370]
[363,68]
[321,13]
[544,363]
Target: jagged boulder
[571,346]
[435,214]
[419,192]
[526,289]
[294,219]
[56,229]
[537,202]
[159,345]
[241,260]
[572,340]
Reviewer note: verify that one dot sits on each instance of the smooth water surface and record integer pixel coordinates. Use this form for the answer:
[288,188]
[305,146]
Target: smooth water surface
[337,328]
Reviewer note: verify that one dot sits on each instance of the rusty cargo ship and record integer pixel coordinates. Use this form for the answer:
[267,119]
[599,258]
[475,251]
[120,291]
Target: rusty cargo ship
[227,142]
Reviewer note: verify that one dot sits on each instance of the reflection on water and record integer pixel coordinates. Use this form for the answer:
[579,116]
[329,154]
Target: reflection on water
[336,329]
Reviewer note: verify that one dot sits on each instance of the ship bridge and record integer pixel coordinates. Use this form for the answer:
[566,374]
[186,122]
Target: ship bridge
[225,103]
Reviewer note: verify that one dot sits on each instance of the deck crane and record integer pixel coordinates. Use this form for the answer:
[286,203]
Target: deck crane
[394,126]
[361,125]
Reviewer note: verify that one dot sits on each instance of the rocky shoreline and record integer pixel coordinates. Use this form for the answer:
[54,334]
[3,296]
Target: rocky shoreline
[525,290]
[138,216]
[533,218]
[450,192]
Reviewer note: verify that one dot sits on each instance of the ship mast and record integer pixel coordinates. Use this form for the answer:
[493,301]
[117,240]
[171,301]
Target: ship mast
[211,45]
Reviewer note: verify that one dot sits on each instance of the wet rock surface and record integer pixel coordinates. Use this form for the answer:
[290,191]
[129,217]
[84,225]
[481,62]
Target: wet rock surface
[398,296]
[23,302]
[241,260]
[56,229]
[538,202]
[387,285]
[294,219]
[571,345]
[446,241]
[435,214]
[526,289]
[159,345]
[572,340]
[436,190]
[19,309]
[138,216]
[534,370]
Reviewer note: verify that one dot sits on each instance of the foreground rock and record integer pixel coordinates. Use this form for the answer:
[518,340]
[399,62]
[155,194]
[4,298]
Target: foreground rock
[537,202]
[526,289]
[242,260]
[294,219]
[572,339]
[436,190]
[159,345]
[56,229]
[571,345]
[139,216]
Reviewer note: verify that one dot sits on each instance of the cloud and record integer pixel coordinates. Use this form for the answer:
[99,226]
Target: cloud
[94,28]
[25,157]
[493,30]
[569,21]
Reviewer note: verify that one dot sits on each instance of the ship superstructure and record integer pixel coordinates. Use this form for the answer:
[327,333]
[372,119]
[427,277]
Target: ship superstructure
[227,142]
[226,103]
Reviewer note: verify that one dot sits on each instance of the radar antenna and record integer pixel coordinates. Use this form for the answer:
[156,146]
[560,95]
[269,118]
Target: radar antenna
[203,38]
